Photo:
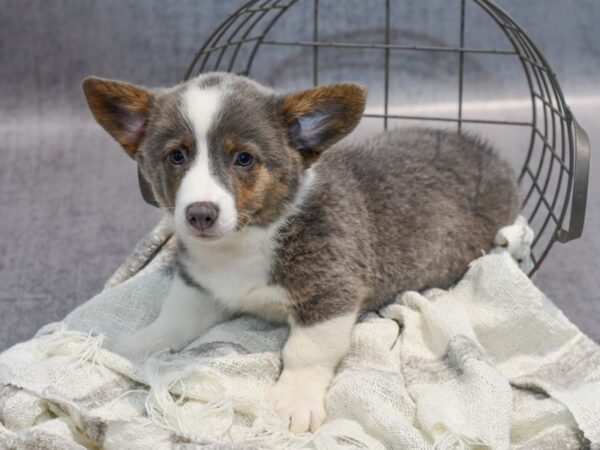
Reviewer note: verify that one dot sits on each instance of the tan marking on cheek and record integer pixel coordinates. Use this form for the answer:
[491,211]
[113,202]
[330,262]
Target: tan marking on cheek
[250,196]
[243,195]
[274,192]
[279,189]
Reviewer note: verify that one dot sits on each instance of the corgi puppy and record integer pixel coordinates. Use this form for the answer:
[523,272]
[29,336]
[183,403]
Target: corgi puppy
[272,219]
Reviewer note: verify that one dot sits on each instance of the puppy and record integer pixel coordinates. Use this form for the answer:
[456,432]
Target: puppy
[271,220]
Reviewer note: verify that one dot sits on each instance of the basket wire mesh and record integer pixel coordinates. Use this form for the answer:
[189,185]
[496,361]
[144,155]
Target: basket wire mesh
[554,166]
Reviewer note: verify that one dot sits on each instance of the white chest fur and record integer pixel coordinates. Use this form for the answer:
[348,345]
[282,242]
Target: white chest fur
[237,273]
[237,269]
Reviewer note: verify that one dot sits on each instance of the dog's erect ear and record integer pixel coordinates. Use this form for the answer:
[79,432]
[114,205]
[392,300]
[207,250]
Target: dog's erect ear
[122,109]
[319,117]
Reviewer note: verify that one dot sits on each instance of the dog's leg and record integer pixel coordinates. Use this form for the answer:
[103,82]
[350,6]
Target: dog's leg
[310,357]
[186,313]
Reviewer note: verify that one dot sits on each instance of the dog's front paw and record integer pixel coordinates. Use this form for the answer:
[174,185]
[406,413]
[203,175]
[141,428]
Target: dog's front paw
[299,399]
[141,344]
[131,348]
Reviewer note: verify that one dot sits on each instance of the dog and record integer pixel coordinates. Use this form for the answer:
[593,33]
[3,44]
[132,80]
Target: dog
[274,220]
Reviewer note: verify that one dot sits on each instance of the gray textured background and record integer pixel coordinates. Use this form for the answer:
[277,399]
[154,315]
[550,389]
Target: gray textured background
[70,209]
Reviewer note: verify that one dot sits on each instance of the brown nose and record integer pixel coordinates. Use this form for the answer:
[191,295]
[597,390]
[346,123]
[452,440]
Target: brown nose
[202,215]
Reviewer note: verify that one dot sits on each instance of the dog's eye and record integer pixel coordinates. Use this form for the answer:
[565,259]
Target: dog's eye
[177,157]
[244,159]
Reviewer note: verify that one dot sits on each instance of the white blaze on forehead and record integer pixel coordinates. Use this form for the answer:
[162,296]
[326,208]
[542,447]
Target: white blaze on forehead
[201,108]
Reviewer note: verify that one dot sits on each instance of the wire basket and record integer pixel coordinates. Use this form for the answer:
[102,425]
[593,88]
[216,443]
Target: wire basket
[415,76]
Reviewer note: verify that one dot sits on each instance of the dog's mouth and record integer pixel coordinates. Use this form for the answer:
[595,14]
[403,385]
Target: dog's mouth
[205,236]
[210,235]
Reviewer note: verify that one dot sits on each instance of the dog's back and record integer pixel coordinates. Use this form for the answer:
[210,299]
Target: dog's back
[404,210]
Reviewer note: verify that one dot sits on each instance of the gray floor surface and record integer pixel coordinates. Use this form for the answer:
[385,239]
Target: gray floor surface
[70,209]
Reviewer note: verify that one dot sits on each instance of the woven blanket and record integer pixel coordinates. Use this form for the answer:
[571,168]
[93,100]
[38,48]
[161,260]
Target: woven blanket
[490,363]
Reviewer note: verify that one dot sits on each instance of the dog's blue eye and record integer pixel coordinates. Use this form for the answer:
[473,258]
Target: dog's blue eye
[244,159]
[177,157]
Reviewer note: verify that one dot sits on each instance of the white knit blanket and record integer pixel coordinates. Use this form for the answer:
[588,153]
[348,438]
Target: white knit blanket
[491,363]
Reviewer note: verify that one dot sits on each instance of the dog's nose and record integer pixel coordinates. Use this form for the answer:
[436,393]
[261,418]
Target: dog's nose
[202,215]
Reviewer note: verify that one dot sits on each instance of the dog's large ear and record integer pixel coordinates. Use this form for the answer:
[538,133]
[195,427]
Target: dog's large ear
[122,109]
[319,117]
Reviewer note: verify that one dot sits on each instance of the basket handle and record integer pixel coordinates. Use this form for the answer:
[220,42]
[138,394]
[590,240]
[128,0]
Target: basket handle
[580,182]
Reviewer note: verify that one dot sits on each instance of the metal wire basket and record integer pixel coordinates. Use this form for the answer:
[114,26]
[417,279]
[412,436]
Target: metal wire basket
[296,43]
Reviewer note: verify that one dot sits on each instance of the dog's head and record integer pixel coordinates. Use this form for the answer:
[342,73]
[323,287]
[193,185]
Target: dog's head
[220,151]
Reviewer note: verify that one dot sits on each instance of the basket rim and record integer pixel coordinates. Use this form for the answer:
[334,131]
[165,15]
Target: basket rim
[577,144]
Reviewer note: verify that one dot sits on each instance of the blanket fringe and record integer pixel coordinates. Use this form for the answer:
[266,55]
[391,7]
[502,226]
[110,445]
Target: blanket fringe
[454,441]
[170,412]
[80,347]
[168,406]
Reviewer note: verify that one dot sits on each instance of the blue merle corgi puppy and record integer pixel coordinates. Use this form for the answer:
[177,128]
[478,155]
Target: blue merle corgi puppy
[273,219]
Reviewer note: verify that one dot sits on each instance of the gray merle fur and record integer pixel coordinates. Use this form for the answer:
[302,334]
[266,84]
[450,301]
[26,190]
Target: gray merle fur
[397,212]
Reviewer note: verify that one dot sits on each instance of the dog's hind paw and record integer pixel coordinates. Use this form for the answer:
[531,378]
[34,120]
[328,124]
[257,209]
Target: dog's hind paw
[516,239]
